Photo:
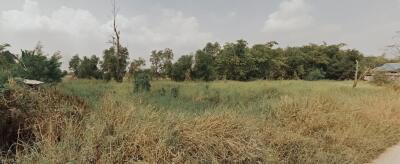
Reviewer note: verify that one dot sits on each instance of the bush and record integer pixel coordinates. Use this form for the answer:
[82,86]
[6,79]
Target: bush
[38,66]
[24,114]
[142,82]
[175,92]
[381,79]
[3,81]
[315,74]
[162,92]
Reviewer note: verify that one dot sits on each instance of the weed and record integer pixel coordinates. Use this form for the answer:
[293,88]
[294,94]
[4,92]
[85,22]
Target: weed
[142,82]
[175,92]
[230,122]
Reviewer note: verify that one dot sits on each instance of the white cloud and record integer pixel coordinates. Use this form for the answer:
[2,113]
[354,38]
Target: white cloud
[26,19]
[291,15]
[68,20]
[172,28]
[79,31]
[169,29]
[73,21]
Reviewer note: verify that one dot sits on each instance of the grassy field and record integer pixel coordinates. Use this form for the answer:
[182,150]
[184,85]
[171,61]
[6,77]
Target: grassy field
[222,122]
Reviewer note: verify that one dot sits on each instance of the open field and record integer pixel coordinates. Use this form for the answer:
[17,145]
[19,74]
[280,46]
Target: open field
[203,82]
[220,122]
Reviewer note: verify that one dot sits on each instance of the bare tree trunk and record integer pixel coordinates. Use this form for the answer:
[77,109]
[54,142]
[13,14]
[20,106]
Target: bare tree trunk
[116,42]
[116,38]
[365,73]
[356,75]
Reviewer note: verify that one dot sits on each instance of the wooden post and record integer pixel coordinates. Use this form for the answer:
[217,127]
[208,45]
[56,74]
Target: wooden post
[356,75]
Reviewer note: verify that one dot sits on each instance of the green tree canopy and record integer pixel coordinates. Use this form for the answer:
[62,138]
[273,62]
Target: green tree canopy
[88,68]
[74,64]
[136,66]
[114,65]
[182,69]
[33,64]
[234,61]
[161,62]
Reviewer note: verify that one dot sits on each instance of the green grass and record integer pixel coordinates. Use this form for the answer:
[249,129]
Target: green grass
[201,96]
[89,90]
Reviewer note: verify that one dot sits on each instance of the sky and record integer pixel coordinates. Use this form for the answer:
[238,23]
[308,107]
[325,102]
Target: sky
[84,26]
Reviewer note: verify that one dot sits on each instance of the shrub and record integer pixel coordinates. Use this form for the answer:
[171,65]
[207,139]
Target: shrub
[3,81]
[142,82]
[380,79]
[163,91]
[315,74]
[29,115]
[38,66]
[175,92]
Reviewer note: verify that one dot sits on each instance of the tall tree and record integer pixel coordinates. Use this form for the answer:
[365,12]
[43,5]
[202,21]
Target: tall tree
[122,63]
[135,66]
[205,66]
[155,59]
[296,63]
[161,62]
[74,64]
[108,65]
[269,61]
[212,49]
[88,68]
[182,69]
[115,58]
[234,61]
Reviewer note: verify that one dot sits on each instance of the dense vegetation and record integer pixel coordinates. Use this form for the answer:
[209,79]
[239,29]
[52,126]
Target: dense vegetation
[233,61]
[210,116]
[238,61]
[30,64]
[100,121]
[214,122]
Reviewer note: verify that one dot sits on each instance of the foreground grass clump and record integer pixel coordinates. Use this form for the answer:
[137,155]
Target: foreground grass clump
[30,116]
[225,122]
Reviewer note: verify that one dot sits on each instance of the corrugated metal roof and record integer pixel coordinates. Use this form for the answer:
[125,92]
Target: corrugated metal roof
[389,67]
[32,82]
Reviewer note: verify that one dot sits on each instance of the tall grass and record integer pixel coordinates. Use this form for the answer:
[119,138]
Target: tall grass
[29,117]
[224,122]
[89,90]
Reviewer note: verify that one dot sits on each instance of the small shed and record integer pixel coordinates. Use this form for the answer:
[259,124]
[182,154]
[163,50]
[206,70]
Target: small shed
[389,67]
[391,70]
[32,83]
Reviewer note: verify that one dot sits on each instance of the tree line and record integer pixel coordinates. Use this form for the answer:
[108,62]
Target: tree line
[232,61]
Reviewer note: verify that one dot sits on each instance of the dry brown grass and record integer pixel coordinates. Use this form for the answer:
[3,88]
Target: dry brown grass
[336,125]
[318,130]
[33,116]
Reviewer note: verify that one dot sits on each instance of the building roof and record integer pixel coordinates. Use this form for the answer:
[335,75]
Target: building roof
[32,82]
[389,67]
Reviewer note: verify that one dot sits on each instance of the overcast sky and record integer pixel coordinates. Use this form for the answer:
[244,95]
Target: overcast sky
[84,26]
